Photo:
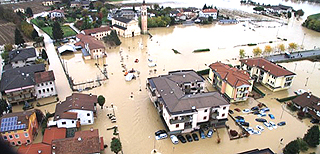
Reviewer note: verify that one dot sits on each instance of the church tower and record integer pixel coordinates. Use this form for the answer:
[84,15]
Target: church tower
[144,18]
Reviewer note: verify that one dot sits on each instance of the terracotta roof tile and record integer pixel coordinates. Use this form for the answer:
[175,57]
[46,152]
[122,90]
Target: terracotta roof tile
[35,149]
[96,30]
[46,76]
[232,75]
[307,100]
[22,118]
[209,10]
[53,133]
[90,40]
[267,66]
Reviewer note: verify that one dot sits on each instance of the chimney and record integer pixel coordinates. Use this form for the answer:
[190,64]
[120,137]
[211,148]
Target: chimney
[79,139]
[91,129]
[39,151]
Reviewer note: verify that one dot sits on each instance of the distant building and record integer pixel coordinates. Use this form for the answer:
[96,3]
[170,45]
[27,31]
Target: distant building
[78,109]
[18,84]
[19,127]
[128,13]
[144,18]
[271,75]
[309,104]
[19,9]
[50,2]
[125,27]
[181,101]
[56,14]
[45,84]
[98,33]
[91,47]
[22,57]
[209,13]
[233,83]
[87,141]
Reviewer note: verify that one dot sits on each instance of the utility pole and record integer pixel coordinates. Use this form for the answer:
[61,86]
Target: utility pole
[306,81]
[303,39]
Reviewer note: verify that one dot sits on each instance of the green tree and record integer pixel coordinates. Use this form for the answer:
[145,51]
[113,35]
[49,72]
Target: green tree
[91,5]
[242,53]
[300,12]
[101,101]
[291,148]
[115,145]
[303,145]
[34,34]
[85,23]
[256,51]
[29,12]
[258,8]
[204,7]
[8,47]
[312,136]
[293,46]
[104,11]
[18,38]
[3,106]
[44,54]
[57,31]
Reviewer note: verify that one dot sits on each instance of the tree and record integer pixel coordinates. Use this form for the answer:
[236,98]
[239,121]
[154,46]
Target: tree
[312,136]
[104,11]
[8,47]
[91,5]
[293,46]
[256,51]
[29,12]
[267,49]
[101,101]
[44,54]
[115,145]
[300,13]
[289,14]
[303,145]
[291,148]
[57,31]
[18,38]
[242,53]
[34,34]
[258,8]
[204,7]
[3,106]
[281,48]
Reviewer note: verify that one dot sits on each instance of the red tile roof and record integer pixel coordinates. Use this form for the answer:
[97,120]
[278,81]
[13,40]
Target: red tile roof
[233,76]
[90,40]
[53,133]
[307,100]
[46,76]
[267,66]
[35,149]
[96,30]
[83,142]
[209,10]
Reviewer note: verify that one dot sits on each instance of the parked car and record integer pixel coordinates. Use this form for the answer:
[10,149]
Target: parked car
[231,112]
[237,109]
[189,138]
[201,133]
[262,115]
[268,125]
[300,91]
[249,130]
[174,139]
[314,121]
[282,123]
[195,137]
[240,120]
[271,116]
[260,120]
[256,112]
[239,117]
[161,134]
[256,132]
[181,138]
[265,110]
[246,110]
[255,108]
[210,132]
[274,126]
[260,128]
[244,123]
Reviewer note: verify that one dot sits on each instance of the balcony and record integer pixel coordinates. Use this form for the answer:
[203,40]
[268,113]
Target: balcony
[181,120]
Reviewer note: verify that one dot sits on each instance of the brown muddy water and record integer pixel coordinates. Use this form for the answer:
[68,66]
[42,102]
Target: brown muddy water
[137,118]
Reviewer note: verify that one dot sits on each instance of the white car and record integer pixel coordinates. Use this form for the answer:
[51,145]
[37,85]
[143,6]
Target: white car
[260,128]
[246,111]
[268,125]
[274,126]
[262,115]
[152,64]
[249,130]
[300,91]
[256,132]
[174,139]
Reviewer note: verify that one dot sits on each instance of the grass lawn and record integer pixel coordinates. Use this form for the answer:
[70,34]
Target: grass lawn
[67,31]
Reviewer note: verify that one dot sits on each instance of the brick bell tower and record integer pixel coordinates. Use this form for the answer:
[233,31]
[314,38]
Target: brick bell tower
[144,18]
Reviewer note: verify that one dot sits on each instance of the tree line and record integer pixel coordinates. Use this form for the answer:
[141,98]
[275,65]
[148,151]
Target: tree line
[312,22]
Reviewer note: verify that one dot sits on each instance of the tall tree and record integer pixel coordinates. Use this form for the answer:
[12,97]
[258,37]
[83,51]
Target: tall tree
[242,53]
[18,38]
[3,106]
[267,50]
[281,48]
[44,54]
[29,12]
[291,148]
[115,145]
[34,34]
[293,46]
[204,7]
[300,13]
[312,136]
[101,101]
[57,31]
[256,51]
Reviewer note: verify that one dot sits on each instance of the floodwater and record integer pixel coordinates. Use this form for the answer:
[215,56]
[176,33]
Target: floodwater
[137,118]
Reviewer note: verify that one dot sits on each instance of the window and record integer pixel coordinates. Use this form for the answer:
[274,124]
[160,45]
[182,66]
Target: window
[51,89]
[28,141]
[41,84]
[46,83]
[88,114]
[13,143]
[19,142]
[43,90]
[47,89]
[175,118]
[50,82]
[206,110]
[177,125]
[16,135]
[5,137]
[205,117]
[224,108]
[78,119]
[89,121]
[39,91]
[72,121]
[63,123]
[223,115]
[26,134]
[10,137]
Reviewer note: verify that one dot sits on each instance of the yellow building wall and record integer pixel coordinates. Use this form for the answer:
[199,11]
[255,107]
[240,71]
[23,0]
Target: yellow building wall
[229,90]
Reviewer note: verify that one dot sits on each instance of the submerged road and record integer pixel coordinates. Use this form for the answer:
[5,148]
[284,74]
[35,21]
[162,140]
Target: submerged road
[295,56]
[61,81]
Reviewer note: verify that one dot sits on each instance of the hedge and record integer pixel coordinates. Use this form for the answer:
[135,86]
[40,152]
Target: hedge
[286,98]
[204,72]
[201,50]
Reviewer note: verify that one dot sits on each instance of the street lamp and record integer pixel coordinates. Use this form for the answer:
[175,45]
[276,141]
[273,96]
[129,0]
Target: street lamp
[306,81]
[303,39]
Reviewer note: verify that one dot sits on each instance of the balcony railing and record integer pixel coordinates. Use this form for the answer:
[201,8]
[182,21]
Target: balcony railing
[182,120]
